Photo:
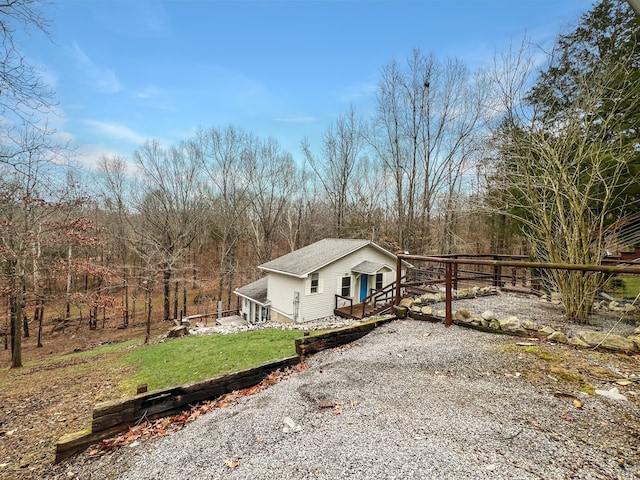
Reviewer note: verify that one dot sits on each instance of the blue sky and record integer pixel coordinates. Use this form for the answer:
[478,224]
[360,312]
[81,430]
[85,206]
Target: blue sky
[126,71]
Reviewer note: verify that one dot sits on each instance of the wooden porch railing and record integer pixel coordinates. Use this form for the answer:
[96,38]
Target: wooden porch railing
[384,296]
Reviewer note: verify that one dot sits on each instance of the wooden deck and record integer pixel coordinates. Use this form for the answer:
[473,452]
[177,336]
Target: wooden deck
[357,312]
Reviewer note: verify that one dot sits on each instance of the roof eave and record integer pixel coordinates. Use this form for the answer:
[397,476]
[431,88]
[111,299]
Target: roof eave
[282,272]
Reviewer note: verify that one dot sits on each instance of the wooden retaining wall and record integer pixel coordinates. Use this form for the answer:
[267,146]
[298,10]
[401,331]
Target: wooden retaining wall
[111,418]
[334,338]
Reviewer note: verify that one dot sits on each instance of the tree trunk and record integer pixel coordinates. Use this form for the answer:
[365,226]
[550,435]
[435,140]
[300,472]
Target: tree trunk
[125,320]
[167,292]
[147,337]
[68,298]
[184,298]
[16,324]
[25,326]
[175,299]
[40,317]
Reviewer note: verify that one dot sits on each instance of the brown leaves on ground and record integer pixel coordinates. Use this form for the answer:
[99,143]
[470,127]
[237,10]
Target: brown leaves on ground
[162,426]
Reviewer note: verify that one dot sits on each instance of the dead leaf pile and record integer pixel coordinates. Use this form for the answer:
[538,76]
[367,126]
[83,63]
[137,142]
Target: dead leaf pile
[163,426]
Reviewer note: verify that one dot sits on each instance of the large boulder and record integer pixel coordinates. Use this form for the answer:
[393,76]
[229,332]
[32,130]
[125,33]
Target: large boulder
[400,311]
[635,339]
[558,337]
[608,341]
[426,310]
[432,297]
[406,302]
[576,342]
[489,315]
[512,325]
[179,331]
[545,331]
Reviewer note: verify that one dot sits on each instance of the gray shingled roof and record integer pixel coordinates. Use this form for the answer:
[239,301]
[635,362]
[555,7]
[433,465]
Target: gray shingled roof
[369,268]
[256,291]
[311,258]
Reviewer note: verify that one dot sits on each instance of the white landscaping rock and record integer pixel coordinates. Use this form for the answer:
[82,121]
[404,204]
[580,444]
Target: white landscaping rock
[613,394]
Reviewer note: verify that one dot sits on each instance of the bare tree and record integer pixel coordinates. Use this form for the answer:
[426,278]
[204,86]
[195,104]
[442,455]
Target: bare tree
[224,156]
[342,145]
[295,210]
[170,203]
[25,98]
[565,176]
[272,174]
[430,115]
[35,209]
[115,195]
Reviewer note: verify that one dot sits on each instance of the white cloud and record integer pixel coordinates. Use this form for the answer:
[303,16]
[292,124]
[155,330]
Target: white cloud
[117,131]
[89,157]
[103,79]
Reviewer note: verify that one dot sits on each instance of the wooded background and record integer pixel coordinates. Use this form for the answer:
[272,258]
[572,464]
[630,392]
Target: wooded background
[523,158]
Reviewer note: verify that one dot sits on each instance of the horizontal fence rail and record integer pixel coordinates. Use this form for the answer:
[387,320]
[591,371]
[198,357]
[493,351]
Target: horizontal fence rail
[507,272]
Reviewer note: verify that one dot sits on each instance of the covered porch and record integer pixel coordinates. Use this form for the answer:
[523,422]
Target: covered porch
[378,302]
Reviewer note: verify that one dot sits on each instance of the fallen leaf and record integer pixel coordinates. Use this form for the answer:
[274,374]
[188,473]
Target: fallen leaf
[324,403]
[577,403]
[566,417]
[624,382]
[232,463]
[337,411]
[163,426]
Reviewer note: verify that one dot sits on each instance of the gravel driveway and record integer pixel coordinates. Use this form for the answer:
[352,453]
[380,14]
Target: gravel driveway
[409,400]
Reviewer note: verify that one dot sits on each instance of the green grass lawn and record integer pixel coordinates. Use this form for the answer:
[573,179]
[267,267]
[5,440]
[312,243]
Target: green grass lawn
[197,357]
[623,286]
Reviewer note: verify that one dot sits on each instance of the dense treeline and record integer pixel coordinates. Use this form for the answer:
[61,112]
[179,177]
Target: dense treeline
[499,160]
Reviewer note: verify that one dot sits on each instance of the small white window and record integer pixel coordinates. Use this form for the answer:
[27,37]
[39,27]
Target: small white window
[345,290]
[315,282]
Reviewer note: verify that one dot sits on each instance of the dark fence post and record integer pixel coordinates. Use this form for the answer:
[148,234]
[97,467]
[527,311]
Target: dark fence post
[455,276]
[497,270]
[396,300]
[448,294]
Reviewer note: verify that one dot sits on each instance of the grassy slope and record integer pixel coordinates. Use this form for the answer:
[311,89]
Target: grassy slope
[54,395]
[194,358]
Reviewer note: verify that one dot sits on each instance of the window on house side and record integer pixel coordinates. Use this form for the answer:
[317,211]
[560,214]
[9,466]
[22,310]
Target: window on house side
[378,281]
[346,287]
[315,281]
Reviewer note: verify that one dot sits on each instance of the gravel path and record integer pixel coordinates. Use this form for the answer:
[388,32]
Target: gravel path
[409,400]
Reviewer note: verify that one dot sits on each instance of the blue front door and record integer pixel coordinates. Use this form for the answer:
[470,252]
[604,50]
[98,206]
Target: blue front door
[363,286]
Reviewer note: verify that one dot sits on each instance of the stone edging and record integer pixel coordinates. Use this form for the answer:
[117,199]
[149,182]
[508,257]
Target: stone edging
[418,308]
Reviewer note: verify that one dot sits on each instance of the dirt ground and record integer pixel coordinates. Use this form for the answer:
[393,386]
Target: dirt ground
[44,400]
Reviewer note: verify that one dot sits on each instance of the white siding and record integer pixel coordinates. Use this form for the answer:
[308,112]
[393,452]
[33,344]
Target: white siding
[321,305]
[280,290]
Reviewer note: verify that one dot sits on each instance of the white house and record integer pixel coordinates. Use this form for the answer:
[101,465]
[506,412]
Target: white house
[302,285]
